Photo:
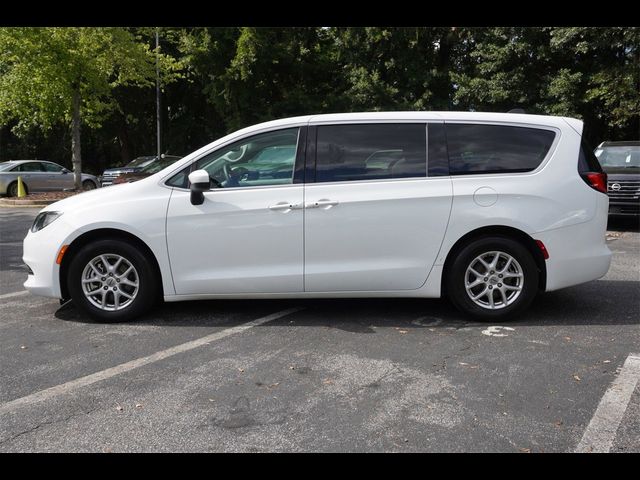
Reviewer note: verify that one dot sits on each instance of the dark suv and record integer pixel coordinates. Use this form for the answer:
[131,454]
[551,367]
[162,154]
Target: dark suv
[621,162]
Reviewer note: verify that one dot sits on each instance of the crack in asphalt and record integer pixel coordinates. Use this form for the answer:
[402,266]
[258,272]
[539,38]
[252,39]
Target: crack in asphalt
[43,424]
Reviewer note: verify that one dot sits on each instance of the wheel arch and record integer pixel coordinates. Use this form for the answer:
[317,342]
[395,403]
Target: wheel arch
[503,231]
[101,234]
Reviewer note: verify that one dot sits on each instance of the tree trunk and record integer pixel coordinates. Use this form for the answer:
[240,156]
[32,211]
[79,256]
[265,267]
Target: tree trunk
[76,156]
[124,141]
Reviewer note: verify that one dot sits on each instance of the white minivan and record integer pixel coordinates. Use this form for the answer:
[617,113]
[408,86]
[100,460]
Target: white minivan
[487,209]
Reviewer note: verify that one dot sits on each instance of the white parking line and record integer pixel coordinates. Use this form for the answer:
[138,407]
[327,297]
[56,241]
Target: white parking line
[14,294]
[125,367]
[601,431]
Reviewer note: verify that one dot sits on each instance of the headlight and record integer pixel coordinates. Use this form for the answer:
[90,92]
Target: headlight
[43,219]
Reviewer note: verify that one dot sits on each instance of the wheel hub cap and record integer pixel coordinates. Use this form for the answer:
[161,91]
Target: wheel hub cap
[494,280]
[110,282]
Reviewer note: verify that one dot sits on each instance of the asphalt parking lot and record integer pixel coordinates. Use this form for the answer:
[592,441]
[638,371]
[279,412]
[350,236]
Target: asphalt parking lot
[323,375]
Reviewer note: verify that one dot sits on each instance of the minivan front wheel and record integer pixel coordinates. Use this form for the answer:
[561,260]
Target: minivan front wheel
[112,281]
[493,278]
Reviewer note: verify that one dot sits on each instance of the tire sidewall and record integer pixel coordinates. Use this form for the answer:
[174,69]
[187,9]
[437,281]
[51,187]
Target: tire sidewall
[13,185]
[92,186]
[455,280]
[147,292]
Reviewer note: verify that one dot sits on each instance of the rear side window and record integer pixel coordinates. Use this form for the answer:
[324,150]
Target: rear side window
[30,167]
[475,148]
[370,152]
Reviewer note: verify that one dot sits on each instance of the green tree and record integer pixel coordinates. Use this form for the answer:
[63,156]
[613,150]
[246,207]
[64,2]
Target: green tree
[599,74]
[394,68]
[53,75]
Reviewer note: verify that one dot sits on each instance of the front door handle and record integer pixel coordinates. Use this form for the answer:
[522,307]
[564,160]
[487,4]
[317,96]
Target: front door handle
[285,207]
[322,203]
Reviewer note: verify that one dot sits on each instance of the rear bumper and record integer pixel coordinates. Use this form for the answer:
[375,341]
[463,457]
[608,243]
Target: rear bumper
[577,253]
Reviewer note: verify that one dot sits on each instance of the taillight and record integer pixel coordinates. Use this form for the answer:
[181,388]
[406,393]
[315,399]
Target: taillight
[596,180]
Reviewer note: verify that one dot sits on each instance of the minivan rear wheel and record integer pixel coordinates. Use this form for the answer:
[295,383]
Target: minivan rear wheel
[112,281]
[493,278]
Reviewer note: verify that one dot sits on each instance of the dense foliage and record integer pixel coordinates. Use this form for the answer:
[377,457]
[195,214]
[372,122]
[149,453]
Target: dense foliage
[216,80]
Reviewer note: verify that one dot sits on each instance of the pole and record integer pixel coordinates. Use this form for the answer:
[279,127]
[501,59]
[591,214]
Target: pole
[158,95]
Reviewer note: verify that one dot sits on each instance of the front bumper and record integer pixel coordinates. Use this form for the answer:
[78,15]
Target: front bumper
[40,250]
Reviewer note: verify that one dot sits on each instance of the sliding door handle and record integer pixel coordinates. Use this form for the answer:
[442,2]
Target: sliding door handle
[323,203]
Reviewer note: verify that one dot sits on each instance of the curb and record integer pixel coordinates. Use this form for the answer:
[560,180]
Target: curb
[26,203]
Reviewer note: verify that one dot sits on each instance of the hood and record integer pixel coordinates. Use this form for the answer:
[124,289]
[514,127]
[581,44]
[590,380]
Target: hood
[88,198]
[622,173]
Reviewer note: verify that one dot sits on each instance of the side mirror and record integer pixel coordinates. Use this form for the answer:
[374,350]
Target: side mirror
[200,183]
[64,170]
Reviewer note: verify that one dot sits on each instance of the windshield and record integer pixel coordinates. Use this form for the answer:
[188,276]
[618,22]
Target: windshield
[161,164]
[4,166]
[140,161]
[619,156]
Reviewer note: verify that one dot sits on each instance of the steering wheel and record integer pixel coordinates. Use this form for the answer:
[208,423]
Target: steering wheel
[233,155]
[226,171]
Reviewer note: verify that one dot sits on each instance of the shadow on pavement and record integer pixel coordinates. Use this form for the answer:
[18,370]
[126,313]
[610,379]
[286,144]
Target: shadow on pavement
[601,302]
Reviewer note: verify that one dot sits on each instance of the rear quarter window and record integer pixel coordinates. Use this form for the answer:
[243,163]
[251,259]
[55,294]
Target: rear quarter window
[478,149]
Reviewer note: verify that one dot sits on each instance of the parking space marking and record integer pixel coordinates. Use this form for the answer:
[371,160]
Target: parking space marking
[497,331]
[133,364]
[601,431]
[14,294]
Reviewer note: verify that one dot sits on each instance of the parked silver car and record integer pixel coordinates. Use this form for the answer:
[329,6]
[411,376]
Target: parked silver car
[39,176]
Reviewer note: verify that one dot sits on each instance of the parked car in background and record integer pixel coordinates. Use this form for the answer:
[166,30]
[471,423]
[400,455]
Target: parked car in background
[134,166]
[621,162]
[39,176]
[487,209]
[150,169]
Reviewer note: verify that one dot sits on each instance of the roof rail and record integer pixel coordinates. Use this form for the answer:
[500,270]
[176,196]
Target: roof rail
[516,110]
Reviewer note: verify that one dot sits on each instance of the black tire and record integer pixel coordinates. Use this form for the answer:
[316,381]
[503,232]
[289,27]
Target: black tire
[12,189]
[148,290]
[455,279]
[88,185]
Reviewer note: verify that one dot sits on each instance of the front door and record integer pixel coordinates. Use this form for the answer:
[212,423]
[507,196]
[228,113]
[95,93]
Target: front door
[56,178]
[247,236]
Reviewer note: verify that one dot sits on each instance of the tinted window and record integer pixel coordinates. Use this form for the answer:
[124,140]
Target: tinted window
[264,159]
[496,148]
[51,167]
[29,167]
[370,152]
[140,161]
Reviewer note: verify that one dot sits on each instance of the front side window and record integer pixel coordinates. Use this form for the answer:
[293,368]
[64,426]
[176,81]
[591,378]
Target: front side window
[261,160]
[477,148]
[370,152]
[51,167]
